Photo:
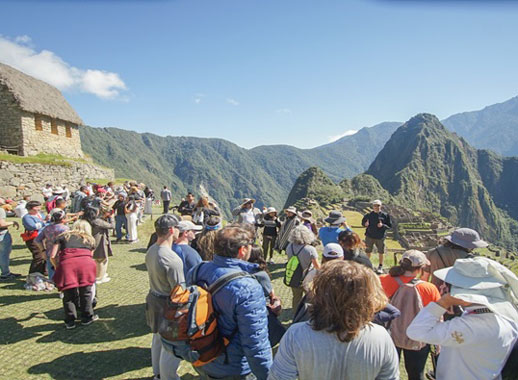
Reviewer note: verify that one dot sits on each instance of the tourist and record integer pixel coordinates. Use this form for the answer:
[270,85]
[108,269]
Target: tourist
[246,212]
[71,255]
[33,222]
[353,245]
[271,225]
[78,197]
[20,210]
[458,245]
[377,223]
[300,245]
[339,342]
[101,225]
[6,245]
[205,240]
[273,303]
[186,207]
[240,307]
[337,223]
[119,208]
[189,256]
[204,210]
[61,205]
[165,271]
[404,278]
[476,344]
[66,192]
[130,210]
[332,251]
[290,222]
[47,191]
[306,217]
[166,197]
[47,236]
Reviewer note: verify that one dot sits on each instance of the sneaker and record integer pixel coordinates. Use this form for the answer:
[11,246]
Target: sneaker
[70,325]
[10,276]
[103,280]
[94,318]
[380,270]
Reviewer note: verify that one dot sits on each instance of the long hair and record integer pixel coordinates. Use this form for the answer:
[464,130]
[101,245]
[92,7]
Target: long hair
[404,266]
[256,257]
[345,297]
[205,244]
[350,240]
[90,214]
[82,229]
[301,235]
[203,202]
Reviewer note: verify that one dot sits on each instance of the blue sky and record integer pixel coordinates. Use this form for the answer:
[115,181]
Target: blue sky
[265,72]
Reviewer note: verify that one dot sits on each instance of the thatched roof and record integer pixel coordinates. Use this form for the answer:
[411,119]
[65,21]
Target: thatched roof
[36,96]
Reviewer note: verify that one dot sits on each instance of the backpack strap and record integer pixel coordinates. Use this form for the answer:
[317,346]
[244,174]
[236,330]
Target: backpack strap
[224,280]
[298,252]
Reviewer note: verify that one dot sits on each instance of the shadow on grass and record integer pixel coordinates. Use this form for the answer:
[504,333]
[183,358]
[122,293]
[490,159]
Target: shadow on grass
[19,299]
[19,246]
[115,323]
[141,267]
[95,365]
[140,250]
[15,262]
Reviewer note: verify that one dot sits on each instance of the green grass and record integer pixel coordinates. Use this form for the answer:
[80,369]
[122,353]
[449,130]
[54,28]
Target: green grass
[35,344]
[41,158]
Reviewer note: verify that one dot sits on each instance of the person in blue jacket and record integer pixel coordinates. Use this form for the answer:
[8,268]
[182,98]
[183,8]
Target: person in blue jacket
[241,307]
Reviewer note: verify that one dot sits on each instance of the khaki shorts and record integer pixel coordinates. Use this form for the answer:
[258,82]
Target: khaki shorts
[370,243]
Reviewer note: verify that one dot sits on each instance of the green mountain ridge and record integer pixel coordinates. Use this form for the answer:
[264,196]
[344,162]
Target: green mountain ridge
[227,171]
[426,167]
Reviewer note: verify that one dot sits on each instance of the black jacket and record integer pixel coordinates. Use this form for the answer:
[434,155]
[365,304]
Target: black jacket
[373,231]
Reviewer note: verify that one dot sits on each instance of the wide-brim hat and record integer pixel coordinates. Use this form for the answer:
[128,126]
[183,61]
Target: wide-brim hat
[186,225]
[466,238]
[291,209]
[306,215]
[58,190]
[271,210]
[335,218]
[473,273]
[494,299]
[247,200]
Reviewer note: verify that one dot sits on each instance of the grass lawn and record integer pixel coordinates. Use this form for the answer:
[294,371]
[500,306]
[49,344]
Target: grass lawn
[34,343]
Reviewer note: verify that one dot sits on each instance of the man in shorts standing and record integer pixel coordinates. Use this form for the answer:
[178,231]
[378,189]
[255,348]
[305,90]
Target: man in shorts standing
[376,223]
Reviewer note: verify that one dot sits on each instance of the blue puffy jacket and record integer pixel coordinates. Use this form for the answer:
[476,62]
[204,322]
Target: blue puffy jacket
[242,309]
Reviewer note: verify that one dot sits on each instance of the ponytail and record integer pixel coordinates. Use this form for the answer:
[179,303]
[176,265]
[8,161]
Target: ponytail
[404,266]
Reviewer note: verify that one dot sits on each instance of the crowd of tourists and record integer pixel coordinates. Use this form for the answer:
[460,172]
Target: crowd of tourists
[211,301]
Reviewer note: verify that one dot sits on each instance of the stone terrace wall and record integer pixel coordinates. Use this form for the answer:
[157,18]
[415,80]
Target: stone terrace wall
[17,180]
[44,141]
[10,120]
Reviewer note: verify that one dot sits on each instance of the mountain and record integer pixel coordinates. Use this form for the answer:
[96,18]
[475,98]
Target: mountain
[425,166]
[226,171]
[316,185]
[494,127]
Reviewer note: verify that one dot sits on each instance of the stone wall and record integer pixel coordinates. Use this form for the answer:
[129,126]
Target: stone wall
[44,141]
[10,120]
[17,180]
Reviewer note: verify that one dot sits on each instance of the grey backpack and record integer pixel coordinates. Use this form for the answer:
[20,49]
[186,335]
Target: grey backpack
[408,300]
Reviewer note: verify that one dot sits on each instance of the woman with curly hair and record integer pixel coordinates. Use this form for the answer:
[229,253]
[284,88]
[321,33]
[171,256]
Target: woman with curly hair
[339,341]
[300,240]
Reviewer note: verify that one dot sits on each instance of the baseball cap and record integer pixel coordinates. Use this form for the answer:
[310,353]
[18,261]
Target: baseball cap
[187,225]
[333,251]
[166,221]
[376,202]
[417,258]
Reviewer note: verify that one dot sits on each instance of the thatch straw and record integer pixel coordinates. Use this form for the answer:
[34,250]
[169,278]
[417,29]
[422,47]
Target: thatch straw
[36,96]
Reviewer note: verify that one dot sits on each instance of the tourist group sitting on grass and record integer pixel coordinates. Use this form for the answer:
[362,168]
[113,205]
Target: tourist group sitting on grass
[211,301]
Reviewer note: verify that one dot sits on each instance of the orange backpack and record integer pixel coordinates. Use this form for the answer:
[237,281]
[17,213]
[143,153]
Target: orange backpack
[190,327]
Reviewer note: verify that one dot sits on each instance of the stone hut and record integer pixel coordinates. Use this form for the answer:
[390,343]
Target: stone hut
[35,117]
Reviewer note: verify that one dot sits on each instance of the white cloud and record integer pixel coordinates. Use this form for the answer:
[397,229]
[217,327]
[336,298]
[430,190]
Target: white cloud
[198,98]
[284,110]
[234,102]
[49,67]
[350,132]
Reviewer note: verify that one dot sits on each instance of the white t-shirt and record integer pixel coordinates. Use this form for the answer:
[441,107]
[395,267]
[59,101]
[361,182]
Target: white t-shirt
[20,209]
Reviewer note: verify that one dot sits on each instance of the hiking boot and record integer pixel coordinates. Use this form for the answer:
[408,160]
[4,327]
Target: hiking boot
[70,325]
[10,276]
[94,318]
